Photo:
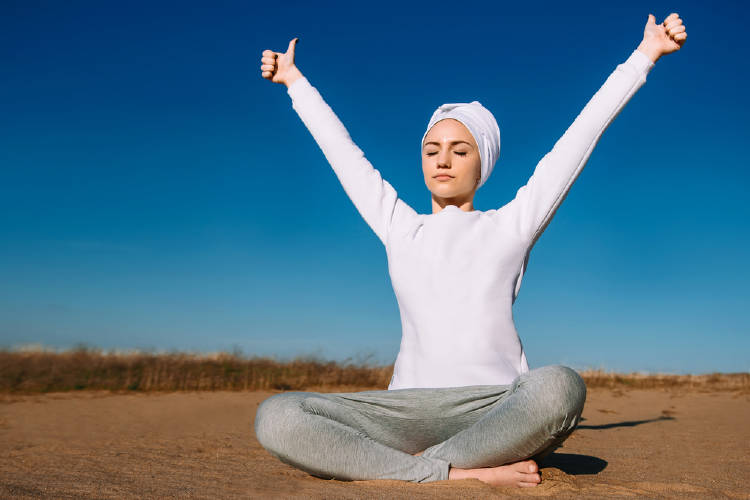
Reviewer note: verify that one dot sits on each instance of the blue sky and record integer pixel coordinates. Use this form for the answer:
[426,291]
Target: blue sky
[157,193]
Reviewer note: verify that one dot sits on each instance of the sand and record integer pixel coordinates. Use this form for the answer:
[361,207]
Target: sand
[631,444]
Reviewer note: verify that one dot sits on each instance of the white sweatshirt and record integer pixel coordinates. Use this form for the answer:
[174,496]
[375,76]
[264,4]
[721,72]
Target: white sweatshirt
[456,274]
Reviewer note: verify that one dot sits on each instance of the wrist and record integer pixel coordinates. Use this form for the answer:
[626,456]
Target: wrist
[653,53]
[294,74]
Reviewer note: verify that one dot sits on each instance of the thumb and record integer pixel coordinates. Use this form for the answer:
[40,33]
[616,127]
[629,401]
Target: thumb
[292,46]
[651,19]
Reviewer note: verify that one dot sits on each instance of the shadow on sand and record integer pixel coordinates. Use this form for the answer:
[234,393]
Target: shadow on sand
[629,423]
[575,464]
[571,463]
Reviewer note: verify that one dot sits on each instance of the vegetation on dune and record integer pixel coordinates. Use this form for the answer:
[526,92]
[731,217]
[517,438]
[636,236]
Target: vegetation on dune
[89,369]
[34,372]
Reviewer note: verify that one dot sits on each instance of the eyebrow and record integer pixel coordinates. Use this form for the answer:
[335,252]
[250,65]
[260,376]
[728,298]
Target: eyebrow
[452,142]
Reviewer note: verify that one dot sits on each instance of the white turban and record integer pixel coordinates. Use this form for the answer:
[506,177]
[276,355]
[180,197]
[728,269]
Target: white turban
[482,125]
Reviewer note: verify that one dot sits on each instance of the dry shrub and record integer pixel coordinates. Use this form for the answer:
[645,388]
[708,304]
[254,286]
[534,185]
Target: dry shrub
[710,381]
[33,372]
[83,368]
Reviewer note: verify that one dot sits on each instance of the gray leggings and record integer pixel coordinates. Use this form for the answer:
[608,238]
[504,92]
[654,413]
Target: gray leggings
[373,434]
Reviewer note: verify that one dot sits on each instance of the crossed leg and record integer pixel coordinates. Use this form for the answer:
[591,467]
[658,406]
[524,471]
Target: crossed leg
[492,433]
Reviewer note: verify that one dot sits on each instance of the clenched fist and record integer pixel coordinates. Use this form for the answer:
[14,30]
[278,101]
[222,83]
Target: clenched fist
[664,38]
[278,67]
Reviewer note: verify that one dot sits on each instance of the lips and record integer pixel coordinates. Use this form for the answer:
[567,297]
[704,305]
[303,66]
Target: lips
[442,177]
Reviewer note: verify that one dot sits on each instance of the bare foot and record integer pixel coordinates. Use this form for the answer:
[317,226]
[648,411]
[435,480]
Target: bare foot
[522,474]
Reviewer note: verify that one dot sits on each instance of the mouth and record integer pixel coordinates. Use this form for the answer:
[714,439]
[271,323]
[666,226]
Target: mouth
[442,177]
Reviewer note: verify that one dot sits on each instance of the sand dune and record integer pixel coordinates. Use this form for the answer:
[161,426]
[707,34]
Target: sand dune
[632,443]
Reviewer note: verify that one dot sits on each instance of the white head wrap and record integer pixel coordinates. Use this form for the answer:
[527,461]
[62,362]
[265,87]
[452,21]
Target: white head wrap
[482,125]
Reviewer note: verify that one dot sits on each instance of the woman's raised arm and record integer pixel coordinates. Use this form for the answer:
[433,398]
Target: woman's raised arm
[375,199]
[536,203]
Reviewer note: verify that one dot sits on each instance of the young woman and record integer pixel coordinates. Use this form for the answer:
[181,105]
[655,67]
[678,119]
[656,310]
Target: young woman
[461,390]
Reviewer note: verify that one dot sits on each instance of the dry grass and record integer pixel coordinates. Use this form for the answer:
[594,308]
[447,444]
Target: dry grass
[710,381]
[88,369]
[34,372]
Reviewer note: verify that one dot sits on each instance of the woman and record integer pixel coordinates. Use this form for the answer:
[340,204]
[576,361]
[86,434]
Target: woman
[461,390]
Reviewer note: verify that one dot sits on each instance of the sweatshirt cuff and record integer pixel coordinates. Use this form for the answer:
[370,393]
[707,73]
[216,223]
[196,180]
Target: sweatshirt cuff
[640,61]
[298,86]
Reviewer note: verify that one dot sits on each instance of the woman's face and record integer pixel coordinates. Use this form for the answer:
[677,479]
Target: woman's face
[450,162]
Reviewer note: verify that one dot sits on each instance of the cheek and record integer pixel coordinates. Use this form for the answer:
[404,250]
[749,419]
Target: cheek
[472,166]
[476,167]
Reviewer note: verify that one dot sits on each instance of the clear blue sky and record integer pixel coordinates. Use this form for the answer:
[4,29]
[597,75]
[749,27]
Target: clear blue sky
[157,193]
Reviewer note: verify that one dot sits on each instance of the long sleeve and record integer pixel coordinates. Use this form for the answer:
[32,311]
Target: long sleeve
[374,197]
[535,203]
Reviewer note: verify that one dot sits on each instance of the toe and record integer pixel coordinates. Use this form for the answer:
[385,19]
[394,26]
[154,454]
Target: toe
[530,480]
[527,466]
[527,485]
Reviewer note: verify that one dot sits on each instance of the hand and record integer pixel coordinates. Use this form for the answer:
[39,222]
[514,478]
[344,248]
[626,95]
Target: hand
[664,38]
[278,67]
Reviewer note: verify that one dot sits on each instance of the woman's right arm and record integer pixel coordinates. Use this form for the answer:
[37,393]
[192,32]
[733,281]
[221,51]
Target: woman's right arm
[375,198]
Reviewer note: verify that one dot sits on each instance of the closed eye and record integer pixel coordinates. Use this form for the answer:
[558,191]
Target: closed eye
[459,153]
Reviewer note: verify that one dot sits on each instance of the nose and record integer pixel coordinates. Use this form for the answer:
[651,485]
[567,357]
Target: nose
[444,158]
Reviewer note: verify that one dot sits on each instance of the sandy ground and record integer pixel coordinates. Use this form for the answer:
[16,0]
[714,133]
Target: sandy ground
[635,444]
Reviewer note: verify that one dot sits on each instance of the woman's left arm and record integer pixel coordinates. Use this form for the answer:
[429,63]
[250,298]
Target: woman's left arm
[535,203]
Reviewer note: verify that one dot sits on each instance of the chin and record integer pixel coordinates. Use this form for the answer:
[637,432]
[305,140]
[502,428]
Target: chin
[447,191]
